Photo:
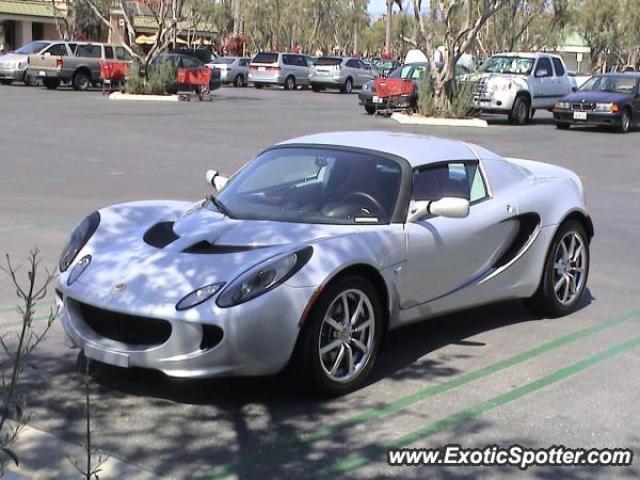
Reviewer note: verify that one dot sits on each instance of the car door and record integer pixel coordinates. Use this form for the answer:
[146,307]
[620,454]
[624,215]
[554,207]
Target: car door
[541,84]
[445,254]
[302,70]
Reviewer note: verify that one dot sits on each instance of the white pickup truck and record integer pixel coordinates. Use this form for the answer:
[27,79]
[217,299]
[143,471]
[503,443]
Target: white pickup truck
[519,83]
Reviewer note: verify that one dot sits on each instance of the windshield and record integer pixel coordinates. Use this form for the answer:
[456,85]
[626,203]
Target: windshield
[512,65]
[33,47]
[314,185]
[401,72]
[618,84]
[265,57]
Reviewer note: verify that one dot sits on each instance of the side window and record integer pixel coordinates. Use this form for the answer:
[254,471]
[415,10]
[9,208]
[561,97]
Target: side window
[353,64]
[72,47]
[455,179]
[301,61]
[108,52]
[544,65]
[59,49]
[557,64]
[189,62]
[417,72]
[286,59]
[89,51]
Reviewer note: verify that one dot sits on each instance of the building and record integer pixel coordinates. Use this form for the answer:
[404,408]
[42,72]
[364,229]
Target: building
[575,52]
[22,21]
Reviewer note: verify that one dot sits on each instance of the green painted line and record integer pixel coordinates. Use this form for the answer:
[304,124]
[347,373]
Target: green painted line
[249,462]
[15,323]
[378,452]
[8,309]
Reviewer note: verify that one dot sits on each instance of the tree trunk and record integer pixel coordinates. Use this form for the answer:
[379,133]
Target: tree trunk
[387,34]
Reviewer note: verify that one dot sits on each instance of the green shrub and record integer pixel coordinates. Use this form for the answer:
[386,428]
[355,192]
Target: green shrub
[158,81]
[460,104]
[161,78]
[426,99]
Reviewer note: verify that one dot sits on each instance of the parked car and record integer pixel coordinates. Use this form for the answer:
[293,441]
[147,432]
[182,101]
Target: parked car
[203,54]
[313,251]
[386,66]
[611,100]
[517,84]
[368,98]
[287,69]
[14,65]
[184,60]
[342,73]
[233,70]
[81,69]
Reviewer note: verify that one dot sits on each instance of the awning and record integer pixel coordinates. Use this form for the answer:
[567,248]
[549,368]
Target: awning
[26,8]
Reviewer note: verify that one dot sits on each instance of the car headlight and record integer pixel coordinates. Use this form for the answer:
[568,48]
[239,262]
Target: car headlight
[79,238]
[78,269]
[22,65]
[263,277]
[199,296]
[603,107]
[563,105]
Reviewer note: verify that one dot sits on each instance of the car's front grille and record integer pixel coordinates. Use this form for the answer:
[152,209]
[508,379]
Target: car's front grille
[480,87]
[583,107]
[124,328]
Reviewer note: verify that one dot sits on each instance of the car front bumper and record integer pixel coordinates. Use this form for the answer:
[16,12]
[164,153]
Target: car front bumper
[593,118]
[257,337]
[10,73]
[496,102]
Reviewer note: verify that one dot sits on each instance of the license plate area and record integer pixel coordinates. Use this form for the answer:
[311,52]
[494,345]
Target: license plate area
[579,115]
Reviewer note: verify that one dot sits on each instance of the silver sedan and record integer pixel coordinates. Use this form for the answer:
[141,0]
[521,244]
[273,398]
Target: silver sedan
[342,73]
[313,251]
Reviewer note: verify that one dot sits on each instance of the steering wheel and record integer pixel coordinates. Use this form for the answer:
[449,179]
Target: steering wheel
[372,200]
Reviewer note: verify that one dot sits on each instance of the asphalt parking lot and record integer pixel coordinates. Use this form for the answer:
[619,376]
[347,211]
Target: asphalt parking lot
[492,375]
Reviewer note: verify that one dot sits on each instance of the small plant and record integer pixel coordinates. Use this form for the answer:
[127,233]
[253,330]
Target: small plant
[90,470]
[461,105]
[16,351]
[157,80]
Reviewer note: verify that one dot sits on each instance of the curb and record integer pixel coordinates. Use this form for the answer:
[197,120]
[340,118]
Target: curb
[144,98]
[405,119]
[45,456]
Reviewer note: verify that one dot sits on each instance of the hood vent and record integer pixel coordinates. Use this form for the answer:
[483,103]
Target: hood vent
[207,248]
[160,235]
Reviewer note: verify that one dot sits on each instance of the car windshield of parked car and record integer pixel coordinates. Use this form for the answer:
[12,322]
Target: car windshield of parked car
[313,185]
[508,64]
[617,84]
[33,47]
[224,61]
[401,72]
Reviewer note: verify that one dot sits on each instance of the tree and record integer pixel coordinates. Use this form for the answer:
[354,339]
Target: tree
[389,24]
[75,20]
[165,14]
[460,21]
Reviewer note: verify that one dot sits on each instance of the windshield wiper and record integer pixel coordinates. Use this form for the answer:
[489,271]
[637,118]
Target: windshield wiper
[220,206]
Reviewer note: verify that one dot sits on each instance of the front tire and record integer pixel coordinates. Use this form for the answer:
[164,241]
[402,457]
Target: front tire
[565,274]
[562,126]
[259,86]
[625,121]
[341,337]
[6,81]
[370,109]
[347,87]
[238,81]
[520,111]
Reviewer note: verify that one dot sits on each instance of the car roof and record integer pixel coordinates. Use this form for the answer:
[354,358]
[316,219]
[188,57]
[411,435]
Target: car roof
[418,150]
[525,54]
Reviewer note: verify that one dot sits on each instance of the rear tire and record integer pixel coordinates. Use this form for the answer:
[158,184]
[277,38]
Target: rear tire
[337,361]
[81,81]
[259,86]
[51,83]
[315,88]
[520,111]
[370,109]
[290,83]
[562,126]
[238,81]
[6,82]
[625,121]
[565,274]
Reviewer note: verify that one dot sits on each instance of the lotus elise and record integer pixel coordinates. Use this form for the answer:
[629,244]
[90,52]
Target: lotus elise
[310,253]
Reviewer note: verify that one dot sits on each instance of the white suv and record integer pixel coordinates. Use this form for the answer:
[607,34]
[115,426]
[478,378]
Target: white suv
[519,83]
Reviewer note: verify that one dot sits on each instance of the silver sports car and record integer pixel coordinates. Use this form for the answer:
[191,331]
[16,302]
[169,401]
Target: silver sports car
[311,252]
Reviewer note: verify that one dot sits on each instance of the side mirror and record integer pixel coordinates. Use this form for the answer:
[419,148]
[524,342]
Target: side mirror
[216,180]
[451,207]
[543,72]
